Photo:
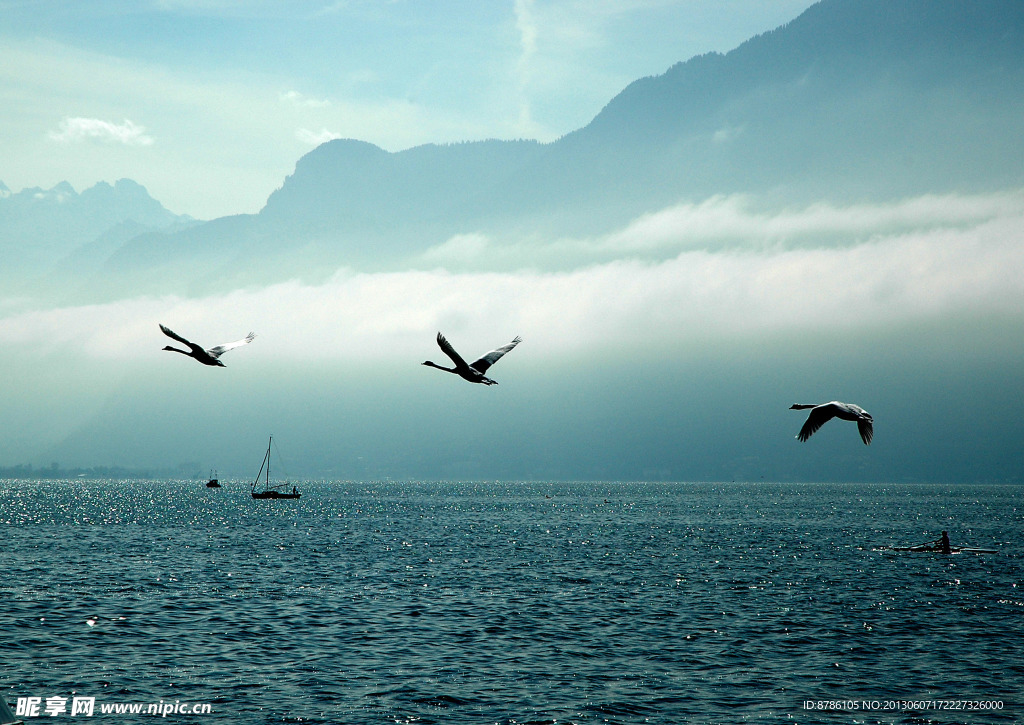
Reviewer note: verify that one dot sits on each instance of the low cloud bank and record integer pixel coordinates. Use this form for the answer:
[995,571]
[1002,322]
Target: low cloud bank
[923,259]
[731,223]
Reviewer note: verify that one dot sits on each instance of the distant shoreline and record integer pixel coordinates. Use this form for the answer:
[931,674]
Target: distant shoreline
[56,473]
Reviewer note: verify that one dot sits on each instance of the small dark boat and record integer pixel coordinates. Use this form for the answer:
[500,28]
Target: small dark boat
[930,548]
[268,490]
[213,482]
[940,546]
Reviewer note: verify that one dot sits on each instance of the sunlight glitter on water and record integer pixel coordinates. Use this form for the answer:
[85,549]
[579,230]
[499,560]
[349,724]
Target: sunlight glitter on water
[468,602]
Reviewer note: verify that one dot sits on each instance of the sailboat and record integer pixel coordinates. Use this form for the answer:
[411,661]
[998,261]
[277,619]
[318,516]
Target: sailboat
[213,482]
[268,490]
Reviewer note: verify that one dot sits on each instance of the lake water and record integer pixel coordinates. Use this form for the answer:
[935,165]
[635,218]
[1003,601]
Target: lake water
[487,602]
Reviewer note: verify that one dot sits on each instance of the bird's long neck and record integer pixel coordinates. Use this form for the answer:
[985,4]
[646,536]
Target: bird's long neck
[441,367]
[802,406]
[174,349]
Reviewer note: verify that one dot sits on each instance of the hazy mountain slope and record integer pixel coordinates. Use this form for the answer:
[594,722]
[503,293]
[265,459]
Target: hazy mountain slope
[861,98]
[352,186]
[38,227]
[853,100]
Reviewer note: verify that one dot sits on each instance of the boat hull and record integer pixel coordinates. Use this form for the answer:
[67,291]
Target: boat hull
[274,494]
[937,550]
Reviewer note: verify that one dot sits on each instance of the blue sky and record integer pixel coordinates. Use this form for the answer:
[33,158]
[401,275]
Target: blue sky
[209,103]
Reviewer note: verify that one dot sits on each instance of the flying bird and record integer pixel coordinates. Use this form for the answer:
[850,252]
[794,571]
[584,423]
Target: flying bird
[474,373]
[206,357]
[822,414]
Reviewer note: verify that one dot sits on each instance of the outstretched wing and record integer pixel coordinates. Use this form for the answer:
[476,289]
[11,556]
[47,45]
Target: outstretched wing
[448,350]
[818,417]
[493,356]
[866,431]
[175,336]
[221,349]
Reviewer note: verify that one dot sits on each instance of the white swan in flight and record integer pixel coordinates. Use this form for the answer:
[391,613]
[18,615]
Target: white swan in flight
[206,357]
[821,414]
[474,373]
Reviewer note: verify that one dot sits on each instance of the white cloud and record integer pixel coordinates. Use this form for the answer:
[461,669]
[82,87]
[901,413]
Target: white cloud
[697,296]
[462,249]
[81,129]
[734,219]
[300,101]
[724,223]
[526,25]
[726,134]
[315,138]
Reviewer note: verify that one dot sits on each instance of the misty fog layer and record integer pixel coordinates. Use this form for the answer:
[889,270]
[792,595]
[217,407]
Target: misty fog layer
[679,365]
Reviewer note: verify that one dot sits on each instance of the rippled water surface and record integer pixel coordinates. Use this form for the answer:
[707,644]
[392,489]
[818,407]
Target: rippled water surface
[385,602]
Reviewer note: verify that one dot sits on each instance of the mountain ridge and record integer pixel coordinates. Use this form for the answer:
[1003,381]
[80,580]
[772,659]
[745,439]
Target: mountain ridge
[38,227]
[851,101]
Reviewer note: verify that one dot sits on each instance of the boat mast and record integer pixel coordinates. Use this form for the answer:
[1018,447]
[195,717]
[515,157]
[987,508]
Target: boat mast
[269,443]
[266,462]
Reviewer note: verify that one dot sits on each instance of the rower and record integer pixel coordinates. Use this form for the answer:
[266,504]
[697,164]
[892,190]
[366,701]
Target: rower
[943,543]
